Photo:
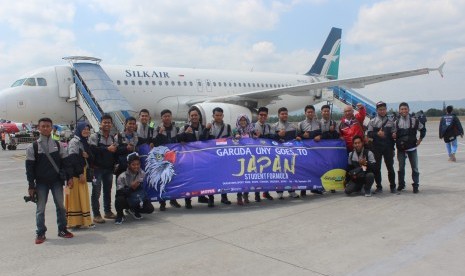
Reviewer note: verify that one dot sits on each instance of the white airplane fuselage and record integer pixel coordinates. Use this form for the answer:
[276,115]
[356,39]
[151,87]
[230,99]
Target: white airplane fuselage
[153,88]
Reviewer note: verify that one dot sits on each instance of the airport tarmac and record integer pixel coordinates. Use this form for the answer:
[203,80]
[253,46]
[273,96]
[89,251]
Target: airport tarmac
[331,234]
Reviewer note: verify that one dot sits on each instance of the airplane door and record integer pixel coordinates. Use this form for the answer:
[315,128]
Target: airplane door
[64,79]
[208,85]
[199,85]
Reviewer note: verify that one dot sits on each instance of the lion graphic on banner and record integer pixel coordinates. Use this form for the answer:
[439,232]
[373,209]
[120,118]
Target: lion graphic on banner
[160,168]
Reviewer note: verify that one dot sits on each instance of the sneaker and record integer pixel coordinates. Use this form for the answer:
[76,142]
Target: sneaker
[267,196]
[110,215]
[175,204]
[225,200]
[415,189]
[134,214]
[379,190]
[368,193]
[203,199]
[91,226]
[40,239]
[188,205]
[99,219]
[65,234]
[452,157]
[393,189]
[162,207]
[119,220]
[400,187]
[293,195]
[280,196]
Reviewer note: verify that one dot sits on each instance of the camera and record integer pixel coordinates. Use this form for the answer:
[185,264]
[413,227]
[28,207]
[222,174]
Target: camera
[32,198]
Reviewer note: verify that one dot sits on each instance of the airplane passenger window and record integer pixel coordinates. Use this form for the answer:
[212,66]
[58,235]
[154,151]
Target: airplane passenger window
[240,84]
[199,83]
[230,84]
[253,84]
[274,85]
[234,84]
[244,84]
[248,84]
[133,82]
[167,83]
[154,83]
[172,83]
[146,82]
[219,83]
[125,82]
[214,83]
[30,82]
[118,82]
[18,83]
[266,85]
[160,83]
[191,83]
[185,83]
[208,83]
[263,85]
[225,84]
[41,82]
[140,82]
[179,83]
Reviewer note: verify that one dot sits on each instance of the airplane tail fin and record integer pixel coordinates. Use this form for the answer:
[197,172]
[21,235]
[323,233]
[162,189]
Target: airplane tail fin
[327,62]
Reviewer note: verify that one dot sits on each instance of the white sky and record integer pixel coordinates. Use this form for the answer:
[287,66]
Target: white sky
[271,36]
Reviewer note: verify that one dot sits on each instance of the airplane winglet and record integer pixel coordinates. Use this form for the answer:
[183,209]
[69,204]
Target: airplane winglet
[440,69]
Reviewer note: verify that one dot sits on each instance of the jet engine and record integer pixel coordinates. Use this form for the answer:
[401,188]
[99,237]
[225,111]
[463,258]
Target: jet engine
[230,111]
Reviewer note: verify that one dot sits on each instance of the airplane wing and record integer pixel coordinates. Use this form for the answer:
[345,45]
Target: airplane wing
[303,89]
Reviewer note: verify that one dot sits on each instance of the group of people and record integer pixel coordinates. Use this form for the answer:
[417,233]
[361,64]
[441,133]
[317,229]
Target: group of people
[98,157]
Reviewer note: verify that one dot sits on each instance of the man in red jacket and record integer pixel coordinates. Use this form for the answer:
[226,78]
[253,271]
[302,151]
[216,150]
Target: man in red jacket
[352,125]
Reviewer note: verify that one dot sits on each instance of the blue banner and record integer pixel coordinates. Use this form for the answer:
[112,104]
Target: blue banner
[245,165]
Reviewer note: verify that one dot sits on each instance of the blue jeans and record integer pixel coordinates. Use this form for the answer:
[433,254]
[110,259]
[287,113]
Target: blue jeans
[104,178]
[413,159]
[42,190]
[452,146]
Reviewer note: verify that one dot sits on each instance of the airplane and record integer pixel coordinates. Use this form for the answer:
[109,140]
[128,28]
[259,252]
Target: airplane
[55,91]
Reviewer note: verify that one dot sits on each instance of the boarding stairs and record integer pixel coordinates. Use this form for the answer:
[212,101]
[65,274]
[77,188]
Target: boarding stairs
[343,97]
[97,94]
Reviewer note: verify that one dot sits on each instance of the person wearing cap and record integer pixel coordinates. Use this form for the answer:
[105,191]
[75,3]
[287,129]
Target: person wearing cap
[449,129]
[352,125]
[405,133]
[382,145]
[165,133]
[128,183]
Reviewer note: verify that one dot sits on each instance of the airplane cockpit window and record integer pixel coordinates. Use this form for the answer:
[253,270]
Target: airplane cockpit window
[18,83]
[30,82]
[41,82]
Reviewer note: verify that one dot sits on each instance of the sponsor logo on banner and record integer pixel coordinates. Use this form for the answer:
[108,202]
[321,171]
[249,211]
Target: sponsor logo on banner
[209,191]
[301,187]
[287,187]
[236,189]
[288,144]
[221,142]
[252,188]
[195,193]
[258,188]
[263,142]
[226,190]
[279,188]
[274,143]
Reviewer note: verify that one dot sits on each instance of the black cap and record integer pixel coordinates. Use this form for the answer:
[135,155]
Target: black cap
[380,104]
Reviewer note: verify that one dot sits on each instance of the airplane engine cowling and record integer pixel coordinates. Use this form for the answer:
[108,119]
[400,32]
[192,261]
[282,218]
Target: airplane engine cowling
[230,111]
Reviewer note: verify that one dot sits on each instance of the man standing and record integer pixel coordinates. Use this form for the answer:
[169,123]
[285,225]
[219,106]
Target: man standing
[164,134]
[144,131]
[103,147]
[309,129]
[380,132]
[285,131]
[449,128]
[44,171]
[328,126]
[405,134]
[352,125]
[263,130]
[218,129]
